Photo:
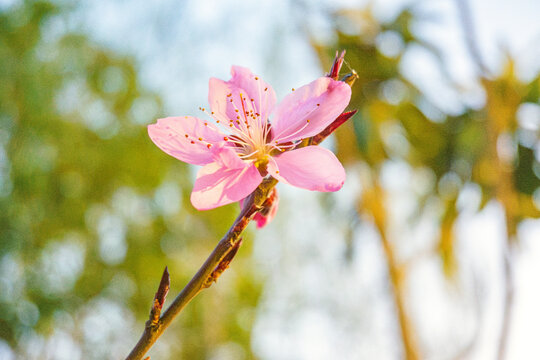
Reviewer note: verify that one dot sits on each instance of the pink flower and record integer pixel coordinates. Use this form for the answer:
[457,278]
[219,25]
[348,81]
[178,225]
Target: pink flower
[248,146]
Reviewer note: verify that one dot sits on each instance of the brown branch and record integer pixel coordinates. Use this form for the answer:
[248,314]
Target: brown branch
[374,202]
[504,187]
[470,36]
[214,265]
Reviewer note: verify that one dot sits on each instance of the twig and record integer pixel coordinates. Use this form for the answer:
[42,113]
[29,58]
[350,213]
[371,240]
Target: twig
[504,187]
[470,36]
[508,303]
[214,265]
[396,275]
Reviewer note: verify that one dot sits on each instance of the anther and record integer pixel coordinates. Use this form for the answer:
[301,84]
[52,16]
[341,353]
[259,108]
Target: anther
[292,89]
[318,104]
[256,78]
[226,138]
[209,146]
[200,139]
[187,135]
[193,142]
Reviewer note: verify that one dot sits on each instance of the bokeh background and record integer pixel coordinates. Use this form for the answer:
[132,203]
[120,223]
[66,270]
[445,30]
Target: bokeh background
[431,250]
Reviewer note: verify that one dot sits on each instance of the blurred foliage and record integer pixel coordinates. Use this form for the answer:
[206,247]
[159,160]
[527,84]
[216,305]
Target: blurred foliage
[90,210]
[487,146]
[490,148]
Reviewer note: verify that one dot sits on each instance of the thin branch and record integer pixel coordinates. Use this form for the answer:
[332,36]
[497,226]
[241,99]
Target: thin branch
[504,187]
[374,203]
[214,265]
[470,36]
[508,303]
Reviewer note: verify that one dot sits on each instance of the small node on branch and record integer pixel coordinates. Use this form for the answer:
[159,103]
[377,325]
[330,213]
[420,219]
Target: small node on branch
[159,298]
[223,265]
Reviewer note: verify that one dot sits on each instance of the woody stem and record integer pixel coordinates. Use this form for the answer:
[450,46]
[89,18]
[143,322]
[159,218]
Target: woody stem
[203,278]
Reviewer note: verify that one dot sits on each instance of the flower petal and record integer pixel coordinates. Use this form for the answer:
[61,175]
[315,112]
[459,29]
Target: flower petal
[224,181]
[186,138]
[259,96]
[311,108]
[311,168]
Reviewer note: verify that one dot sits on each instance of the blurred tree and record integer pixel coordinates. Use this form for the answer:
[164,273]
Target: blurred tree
[90,209]
[485,146]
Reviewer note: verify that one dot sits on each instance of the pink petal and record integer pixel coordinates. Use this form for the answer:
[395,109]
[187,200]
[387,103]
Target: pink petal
[250,86]
[320,102]
[186,138]
[224,181]
[311,168]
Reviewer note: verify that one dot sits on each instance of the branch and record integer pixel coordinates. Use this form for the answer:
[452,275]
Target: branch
[214,265]
[470,36]
[373,202]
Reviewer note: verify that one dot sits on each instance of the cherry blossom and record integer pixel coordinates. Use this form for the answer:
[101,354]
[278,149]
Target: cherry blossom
[242,144]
